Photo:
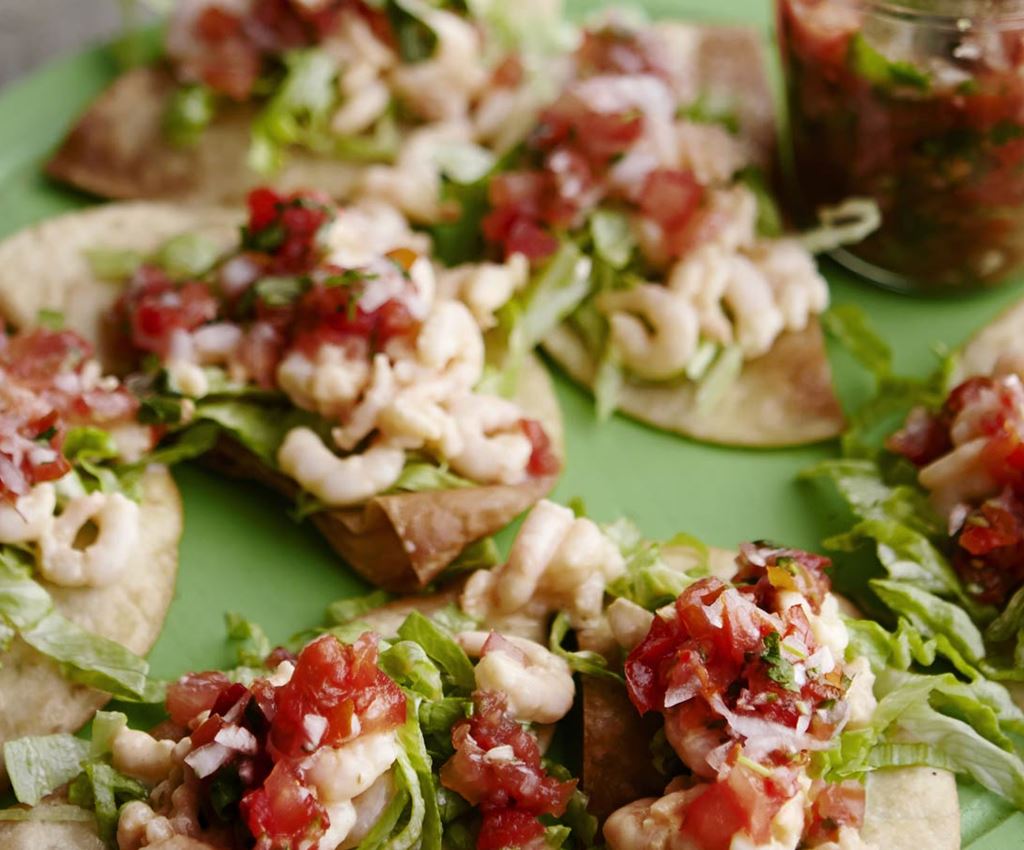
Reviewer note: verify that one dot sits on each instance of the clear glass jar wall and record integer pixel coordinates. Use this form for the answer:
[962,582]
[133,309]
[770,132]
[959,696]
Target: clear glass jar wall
[919,105]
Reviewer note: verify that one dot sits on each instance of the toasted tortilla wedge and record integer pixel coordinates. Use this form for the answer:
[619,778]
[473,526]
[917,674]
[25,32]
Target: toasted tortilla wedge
[784,398]
[907,808]
[118,150]
[35,699]
[401,542]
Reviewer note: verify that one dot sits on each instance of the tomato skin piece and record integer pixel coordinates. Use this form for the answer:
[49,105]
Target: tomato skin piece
[508,828]
[543,460]
[340,683]
[283,812]
[511,794]
[193,694]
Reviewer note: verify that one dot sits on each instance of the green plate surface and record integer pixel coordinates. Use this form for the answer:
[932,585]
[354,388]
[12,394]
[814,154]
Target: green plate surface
[241,552]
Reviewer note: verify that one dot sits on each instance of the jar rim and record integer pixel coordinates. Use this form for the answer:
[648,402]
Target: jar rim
[955,14]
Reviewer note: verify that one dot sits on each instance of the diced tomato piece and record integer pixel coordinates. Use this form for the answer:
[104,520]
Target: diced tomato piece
[511,793]
[287,228]
[835,805]
[508,829]
[155,308]
[543,460]
[671,198]
[284,812]
[193,694]
[216,24]
[923,438]
[339,683]
[743,803]
[33,358]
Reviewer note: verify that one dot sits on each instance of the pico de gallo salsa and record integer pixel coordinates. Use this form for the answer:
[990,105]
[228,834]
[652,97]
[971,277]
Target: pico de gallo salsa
[274,307]
[49,384]
[344,742]
[749,689]
[923,111]
[970,453]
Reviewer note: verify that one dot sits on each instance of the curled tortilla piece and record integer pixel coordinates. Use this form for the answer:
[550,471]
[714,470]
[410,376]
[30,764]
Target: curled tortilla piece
[999,346]
[118,150]
[784,398]
[907,808]
[403,542]
[35,699]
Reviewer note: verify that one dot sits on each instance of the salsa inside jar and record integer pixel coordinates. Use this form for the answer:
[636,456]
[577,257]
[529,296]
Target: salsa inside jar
[919,106]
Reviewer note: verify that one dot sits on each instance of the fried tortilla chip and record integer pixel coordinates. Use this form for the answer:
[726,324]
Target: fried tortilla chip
[118,150]
[35,699]
[907,808]
[784,398]
[402,541]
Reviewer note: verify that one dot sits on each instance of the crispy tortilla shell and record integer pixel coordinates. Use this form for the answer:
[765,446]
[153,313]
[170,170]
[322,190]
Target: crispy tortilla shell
[907,808]
[118,150]
[784,398]
[35,699]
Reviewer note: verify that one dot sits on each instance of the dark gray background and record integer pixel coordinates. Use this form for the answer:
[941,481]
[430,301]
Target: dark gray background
[34,31]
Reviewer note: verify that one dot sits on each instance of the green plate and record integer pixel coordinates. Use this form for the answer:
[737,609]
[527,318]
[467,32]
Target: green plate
[241,552]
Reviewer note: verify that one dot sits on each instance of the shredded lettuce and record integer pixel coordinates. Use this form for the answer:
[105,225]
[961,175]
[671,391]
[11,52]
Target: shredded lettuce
[613,238]
[188,256]
[56,813]
[346,610]
[419,477]
[299,112]
[190,109]
[720,376]
[27,609]
[553,294]
[649,580]
[442,649]
[38,766]
[112,264]
[104,790]
[252,646]
[581,661]
[769,217]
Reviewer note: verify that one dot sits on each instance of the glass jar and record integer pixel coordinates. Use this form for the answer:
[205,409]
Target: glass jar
[920,106]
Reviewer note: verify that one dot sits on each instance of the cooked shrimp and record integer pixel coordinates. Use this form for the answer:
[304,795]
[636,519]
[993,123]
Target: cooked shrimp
[537,682]
[338,481]
[30,517]
[104,560]
[494,448]
[655,332]
[538,540]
